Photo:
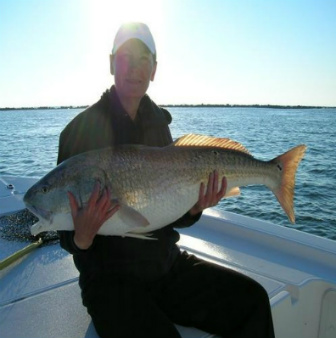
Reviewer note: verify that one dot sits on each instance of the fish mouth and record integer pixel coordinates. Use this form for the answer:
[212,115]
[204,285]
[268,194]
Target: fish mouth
[44,216]
[40,213]
[35,229]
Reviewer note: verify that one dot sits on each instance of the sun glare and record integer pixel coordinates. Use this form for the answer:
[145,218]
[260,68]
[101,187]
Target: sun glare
[104,17]
[108,15]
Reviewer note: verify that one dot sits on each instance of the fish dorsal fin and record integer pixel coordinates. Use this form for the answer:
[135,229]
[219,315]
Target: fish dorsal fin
[194,140]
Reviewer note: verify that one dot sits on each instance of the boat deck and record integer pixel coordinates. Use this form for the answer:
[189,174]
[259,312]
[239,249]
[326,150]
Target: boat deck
[40,297]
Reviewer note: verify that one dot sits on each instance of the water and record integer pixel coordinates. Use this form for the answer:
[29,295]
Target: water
[29,144]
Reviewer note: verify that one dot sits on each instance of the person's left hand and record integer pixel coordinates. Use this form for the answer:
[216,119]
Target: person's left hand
[211,196]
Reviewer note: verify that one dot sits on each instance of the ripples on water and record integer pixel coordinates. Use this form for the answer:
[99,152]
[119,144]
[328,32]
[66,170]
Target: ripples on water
[29,143]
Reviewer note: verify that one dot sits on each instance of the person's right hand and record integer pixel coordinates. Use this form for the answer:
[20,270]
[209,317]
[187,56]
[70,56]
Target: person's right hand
[88,220]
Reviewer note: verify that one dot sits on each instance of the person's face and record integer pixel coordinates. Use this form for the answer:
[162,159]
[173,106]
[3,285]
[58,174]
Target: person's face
[133,67]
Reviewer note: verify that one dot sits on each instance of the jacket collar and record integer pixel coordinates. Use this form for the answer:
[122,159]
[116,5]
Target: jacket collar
[149,113]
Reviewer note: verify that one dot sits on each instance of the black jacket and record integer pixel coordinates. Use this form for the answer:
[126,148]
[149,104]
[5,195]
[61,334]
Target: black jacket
[103,124]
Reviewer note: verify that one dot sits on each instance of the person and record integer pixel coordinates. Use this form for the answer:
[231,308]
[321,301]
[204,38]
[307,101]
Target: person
[139,288]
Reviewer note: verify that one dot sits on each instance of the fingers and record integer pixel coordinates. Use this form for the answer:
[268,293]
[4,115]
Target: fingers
[215,182]
[201,192]
[222,190]
[98,209]
[88,219]
[95,195]
[105,205]
[73,204]
[211,186]
[213,193]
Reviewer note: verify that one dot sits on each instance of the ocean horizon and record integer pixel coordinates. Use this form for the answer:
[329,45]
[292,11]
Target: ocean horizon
[187,105]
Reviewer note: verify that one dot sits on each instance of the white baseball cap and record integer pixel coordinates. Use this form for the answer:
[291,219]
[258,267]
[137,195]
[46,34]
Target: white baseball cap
[134,30]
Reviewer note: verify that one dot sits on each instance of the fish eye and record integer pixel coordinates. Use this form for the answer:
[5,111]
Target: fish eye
[44,189]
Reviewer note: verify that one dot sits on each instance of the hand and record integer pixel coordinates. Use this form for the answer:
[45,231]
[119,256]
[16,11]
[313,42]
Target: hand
[211,196]
[88,220]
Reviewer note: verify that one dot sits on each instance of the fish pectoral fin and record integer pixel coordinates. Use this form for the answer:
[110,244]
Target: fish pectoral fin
[232,192]
[131,217]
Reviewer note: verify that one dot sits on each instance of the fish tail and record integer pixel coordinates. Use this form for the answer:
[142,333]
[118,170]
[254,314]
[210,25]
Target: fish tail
[287,164]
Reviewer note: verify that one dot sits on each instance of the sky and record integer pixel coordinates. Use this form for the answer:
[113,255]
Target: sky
[56,52]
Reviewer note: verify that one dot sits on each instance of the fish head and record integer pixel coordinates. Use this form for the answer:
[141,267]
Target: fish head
[48,197]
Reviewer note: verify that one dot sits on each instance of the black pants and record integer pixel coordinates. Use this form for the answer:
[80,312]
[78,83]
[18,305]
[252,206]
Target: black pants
[194,293]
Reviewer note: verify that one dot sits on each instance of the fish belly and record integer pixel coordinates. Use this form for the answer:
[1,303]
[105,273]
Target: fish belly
[164,210]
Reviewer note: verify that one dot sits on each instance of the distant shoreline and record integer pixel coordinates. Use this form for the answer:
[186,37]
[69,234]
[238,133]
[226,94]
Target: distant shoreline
[185,106]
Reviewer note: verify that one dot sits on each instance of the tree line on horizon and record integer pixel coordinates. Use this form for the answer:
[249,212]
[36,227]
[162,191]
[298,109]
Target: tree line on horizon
[182,106]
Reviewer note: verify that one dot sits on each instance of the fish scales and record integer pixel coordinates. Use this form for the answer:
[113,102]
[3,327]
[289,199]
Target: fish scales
[156,186]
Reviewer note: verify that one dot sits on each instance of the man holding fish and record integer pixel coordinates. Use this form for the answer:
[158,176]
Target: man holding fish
[134,287]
